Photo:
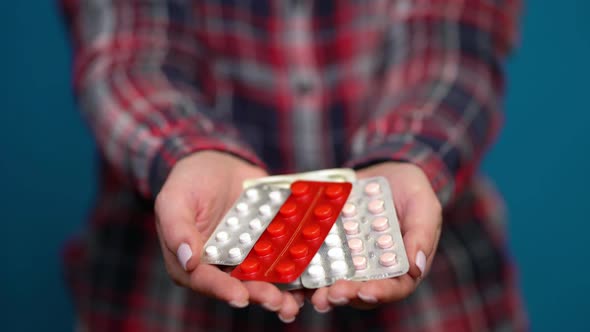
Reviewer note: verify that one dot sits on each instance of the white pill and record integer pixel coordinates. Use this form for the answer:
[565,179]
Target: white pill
[334,229]
[255,224]
[265,210]
[275,196]
[372,189]
[245,238]
[222,236]
[316,259]
[235,252]
[351,227]
[252,194]
[232,222]
[338,267]
[349,210]
[332,240]
[212,251]
[242,207]
[336,253]
[377,206]
[315,271]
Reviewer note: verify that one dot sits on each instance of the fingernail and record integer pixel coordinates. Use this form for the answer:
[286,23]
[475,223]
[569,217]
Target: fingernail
[270,307]
[285,320]
[421,261]
[184,253]
[322,311]
[238,304]
[338,301]
[367,298]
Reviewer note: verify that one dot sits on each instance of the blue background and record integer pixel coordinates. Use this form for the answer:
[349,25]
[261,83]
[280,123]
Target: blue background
[540,163]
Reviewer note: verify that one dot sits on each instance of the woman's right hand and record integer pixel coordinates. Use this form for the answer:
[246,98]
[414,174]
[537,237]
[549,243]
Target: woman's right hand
[197,193]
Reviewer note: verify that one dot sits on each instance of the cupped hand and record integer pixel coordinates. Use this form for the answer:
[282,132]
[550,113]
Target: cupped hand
[420,216]
[194,198]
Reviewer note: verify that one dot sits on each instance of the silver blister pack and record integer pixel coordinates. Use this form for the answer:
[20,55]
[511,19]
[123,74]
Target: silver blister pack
[284,181]
[243,224]
[373,234]
[332,262]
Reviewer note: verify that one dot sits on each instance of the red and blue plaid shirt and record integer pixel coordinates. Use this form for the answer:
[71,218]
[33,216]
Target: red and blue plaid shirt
[291,85]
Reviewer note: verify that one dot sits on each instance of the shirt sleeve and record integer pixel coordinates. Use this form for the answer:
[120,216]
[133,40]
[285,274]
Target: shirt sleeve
[438,101]
[135,75]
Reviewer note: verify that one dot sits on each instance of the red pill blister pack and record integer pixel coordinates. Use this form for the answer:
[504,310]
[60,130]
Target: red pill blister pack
[296,233]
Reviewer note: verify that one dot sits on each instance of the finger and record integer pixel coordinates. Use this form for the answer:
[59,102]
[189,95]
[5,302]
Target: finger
[386,290]
[289,308]
[320,302]
[265,294]
[299,297]
[421,224]
[342,292]
[175,221]
[210,281]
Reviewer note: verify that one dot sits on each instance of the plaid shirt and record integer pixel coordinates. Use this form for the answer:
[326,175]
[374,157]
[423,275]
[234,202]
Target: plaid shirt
[291,86]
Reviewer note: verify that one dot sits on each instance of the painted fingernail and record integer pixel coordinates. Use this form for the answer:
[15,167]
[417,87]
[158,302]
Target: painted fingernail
[286,320]
[338,301]
[322,311]
[184,253]
[421,261]
[270,307]
[367,298]
[239,304]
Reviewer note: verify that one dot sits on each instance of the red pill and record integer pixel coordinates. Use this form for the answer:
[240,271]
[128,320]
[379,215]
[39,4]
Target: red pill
[288,209]
[323,211]
[285,269]
[334,191]
[311,232]
[263,248]
[250,265]
[299,251]
[276,229]
[299,189]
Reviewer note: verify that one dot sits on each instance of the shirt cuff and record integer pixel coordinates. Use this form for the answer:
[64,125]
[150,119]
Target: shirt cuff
[181,145]
[405,149]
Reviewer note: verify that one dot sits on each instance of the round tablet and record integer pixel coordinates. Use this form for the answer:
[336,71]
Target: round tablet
[351,227]
[332,240]
[250,265]
[276,229]
[264,210]
[316,259]
[275,196]
[360,262]
[222,236]
[336,253]
[385,241]
[323,211]
[234,252]
[315,271]
[377,206]
[288,209]
[285,269]
[334,191]
[349,210]
[252,194]
[255,224]
[380,224]
[242,207]
[338,267]
[372,189]
[298,251]
[299,188]
[387,259]
[263,248]
[355,245]
[232,222]
[311,232]
[212,251]
[245,238]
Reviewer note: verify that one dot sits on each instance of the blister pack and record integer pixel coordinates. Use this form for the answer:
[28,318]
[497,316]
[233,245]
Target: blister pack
[243,224]
[373,233]
[332,262]
[296,233]
[284,181]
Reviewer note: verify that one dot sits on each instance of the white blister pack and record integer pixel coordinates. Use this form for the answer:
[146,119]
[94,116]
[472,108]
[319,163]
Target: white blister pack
[372,229]
[243,224]
[332,262]
[284,181]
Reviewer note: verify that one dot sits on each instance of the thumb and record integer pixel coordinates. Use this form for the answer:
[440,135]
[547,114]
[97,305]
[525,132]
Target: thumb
[177,228]
[420,220]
